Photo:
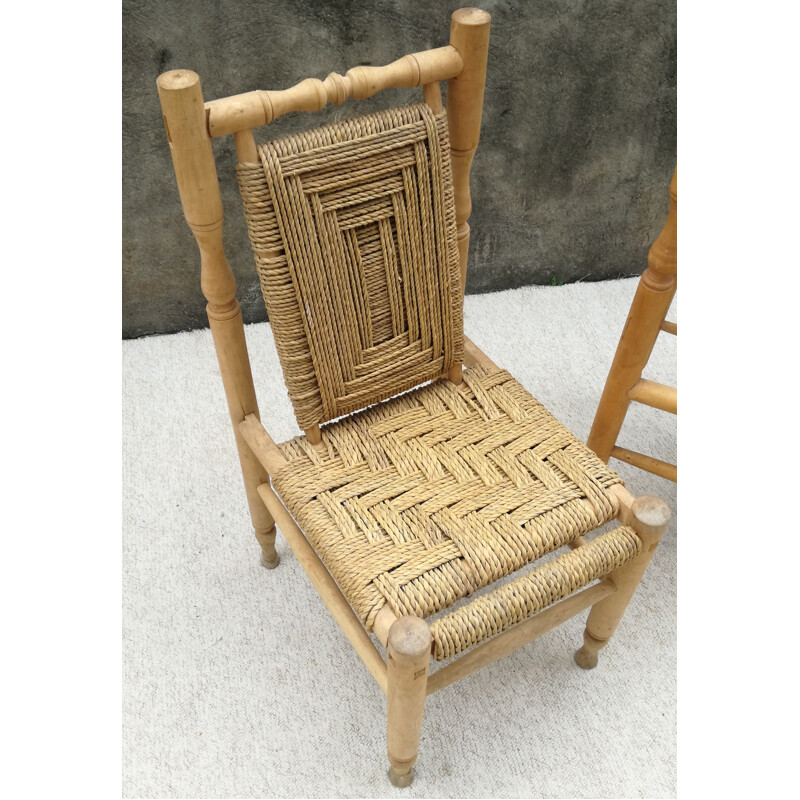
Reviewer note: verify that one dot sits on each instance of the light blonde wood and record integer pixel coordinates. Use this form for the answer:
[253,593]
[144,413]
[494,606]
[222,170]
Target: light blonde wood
[670,327]
[432,94]
[384,620]
[649,464]
[260,442]
[475,357]
[625,500]
[252,109]
[654,394]
[409,650]
[314,435]
[518,636]
[469,35]
[649,308]
[184,118]
[324,584]
[246,150]
[455,374]
[648,517]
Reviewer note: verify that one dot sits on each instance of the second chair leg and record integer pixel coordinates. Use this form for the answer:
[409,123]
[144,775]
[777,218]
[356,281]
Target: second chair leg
[269,555]
[409,653]
[649,516]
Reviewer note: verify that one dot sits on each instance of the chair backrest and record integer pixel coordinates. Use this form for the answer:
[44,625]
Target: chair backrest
[354,232]
[359,228]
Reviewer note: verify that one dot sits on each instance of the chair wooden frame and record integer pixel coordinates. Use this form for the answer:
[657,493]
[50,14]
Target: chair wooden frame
[646,319]
[191,124]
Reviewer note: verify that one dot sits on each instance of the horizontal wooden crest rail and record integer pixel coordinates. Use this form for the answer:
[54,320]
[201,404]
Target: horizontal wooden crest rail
[253,109]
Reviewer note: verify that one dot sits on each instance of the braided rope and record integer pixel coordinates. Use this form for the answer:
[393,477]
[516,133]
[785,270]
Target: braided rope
[353,229]
[427,497]
[508,605]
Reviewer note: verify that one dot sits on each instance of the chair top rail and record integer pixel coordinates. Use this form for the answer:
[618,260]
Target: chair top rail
[242,112]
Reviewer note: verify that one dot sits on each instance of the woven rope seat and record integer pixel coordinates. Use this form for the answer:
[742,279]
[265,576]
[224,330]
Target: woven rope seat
[427,497]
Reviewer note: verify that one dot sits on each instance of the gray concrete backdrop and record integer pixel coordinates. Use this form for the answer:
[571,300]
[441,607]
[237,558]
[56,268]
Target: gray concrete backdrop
[569,182]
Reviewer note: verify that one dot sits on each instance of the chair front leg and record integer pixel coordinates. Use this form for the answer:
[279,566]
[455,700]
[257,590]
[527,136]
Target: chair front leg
[648,516]
[409,653]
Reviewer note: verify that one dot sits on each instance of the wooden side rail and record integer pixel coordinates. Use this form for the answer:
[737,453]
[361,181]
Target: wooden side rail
[670,327]
[475,357]
[328,590]
[655,395]
[649,464]
[253,109]
[260,442]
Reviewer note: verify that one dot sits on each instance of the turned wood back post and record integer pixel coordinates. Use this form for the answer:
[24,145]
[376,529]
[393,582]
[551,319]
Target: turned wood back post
[196,174]
[469,35]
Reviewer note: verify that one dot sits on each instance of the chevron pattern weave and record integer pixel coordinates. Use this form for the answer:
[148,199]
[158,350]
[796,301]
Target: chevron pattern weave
[427,497]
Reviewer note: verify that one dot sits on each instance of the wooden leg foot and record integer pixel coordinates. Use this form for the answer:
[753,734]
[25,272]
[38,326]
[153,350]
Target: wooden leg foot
[269,556]
[401,779]
[409,652]
[586,657]
[270,564]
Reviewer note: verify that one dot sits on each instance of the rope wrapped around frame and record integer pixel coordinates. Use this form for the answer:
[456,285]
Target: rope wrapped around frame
[354,234]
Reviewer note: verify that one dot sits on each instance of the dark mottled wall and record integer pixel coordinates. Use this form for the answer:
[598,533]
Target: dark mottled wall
[569,182]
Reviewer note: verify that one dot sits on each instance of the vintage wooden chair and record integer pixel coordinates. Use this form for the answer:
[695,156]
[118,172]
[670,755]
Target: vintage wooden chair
[415,483]
[646,319]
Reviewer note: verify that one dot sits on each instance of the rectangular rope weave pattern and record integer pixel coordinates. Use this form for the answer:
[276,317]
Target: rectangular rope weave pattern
[427,497]
[354,234]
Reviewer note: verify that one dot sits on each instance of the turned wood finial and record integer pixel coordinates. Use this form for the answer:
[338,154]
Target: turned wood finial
[662,260]
[195,171]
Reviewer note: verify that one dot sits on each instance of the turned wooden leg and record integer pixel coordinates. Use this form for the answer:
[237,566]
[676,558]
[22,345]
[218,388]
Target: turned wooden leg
[409,649]
[269,556]
[648,517]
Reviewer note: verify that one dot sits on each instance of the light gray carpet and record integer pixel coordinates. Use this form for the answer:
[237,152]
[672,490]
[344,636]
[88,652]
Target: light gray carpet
[237,681]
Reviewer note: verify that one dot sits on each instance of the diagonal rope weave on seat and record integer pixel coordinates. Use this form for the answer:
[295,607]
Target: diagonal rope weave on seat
[353,229]
[427,497]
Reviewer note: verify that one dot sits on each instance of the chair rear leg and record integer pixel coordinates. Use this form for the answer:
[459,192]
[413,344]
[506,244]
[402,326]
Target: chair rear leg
[409,651]
[649,517]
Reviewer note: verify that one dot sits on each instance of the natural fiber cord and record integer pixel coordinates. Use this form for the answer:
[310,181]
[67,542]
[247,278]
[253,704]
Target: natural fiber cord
[516,601]
[427,497]
[353,229]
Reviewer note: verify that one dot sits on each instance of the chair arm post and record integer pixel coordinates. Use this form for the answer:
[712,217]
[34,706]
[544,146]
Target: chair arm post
[192,156]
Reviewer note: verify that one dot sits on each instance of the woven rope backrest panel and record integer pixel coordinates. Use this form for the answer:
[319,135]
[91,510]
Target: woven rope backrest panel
[354,234]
